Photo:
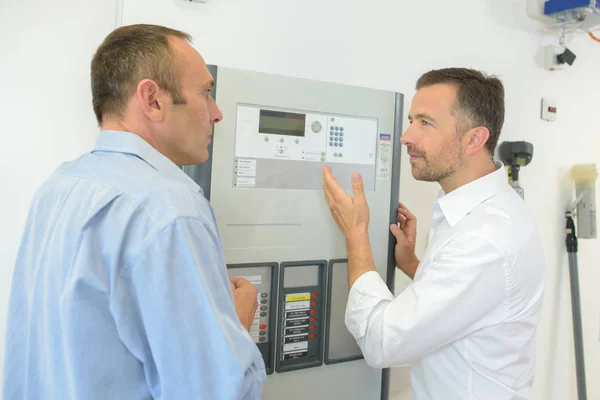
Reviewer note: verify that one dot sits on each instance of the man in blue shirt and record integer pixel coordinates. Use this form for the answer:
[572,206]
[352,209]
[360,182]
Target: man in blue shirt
[120,289]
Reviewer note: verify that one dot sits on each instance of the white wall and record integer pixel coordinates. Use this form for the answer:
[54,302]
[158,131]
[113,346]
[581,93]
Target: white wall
[45,104]
[380,44]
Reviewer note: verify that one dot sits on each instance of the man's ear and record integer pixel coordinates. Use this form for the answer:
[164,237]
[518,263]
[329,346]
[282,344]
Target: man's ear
[147,93]
[477,138]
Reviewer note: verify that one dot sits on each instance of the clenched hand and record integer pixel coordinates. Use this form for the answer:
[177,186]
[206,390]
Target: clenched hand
[245,299]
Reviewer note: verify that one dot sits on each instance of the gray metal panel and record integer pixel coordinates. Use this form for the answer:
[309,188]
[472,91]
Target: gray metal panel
[201,173]
[340,345]
[301,216]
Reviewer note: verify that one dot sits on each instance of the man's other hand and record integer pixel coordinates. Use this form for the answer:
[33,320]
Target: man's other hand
[406,237]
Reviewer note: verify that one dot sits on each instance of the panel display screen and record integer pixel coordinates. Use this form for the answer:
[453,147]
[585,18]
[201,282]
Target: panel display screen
[282,123]
[301,276]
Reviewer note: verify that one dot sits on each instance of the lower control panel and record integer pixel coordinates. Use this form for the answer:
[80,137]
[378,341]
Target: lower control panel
[301,314]
[264,276]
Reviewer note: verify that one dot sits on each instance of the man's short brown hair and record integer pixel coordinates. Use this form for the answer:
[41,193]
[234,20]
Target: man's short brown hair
[479,99]
[125,57]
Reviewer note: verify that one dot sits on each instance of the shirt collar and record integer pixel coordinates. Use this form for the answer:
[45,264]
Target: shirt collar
[130,143]
[458,203]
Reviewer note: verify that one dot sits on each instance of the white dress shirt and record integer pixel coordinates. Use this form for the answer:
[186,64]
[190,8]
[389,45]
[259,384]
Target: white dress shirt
[467,323]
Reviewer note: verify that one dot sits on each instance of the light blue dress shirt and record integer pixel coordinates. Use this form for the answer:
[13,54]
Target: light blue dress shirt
[120,289]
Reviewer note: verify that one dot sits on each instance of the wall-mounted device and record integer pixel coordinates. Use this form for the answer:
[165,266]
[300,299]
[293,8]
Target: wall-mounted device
[564,17]
[584,177]
[549,109]
[516,155]
[581,15]
[264,180]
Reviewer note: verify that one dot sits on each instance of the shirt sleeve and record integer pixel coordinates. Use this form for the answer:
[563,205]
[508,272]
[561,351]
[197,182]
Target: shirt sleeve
[174,311]
[461,290]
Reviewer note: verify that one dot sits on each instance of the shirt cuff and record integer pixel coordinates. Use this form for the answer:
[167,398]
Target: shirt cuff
[367,296]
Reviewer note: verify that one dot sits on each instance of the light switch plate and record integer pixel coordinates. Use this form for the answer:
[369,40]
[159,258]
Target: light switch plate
[549,109]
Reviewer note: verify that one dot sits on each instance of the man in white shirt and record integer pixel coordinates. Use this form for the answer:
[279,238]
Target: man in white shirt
[467,323]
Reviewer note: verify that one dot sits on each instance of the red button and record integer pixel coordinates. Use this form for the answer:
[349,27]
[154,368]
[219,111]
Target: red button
[314,295]
[263,327]
[313,304]
[312,328]
[313,311]
[312,336]
[313,320]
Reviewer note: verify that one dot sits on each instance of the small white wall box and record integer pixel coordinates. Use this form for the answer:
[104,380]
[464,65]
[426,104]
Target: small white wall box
[549,109]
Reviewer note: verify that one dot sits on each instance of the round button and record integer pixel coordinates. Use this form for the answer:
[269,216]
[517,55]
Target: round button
[262,333]
[322,153]
[313,320]
[263,295]
[336,139]
[266,138]
[263,301]
[314,295]
[337,134]
[335,154]
[331,143]
[262,339]
[313,304]
[297,141]
[316,126]
[262,327]
[341,128]
[312,336]
[337,128]
[341,133]
[263,314]
[341,144]
[336,144]
[281,150]
[340,153]
[312,328]
[322,158]
[263,308]
[281,140]
[313,312]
